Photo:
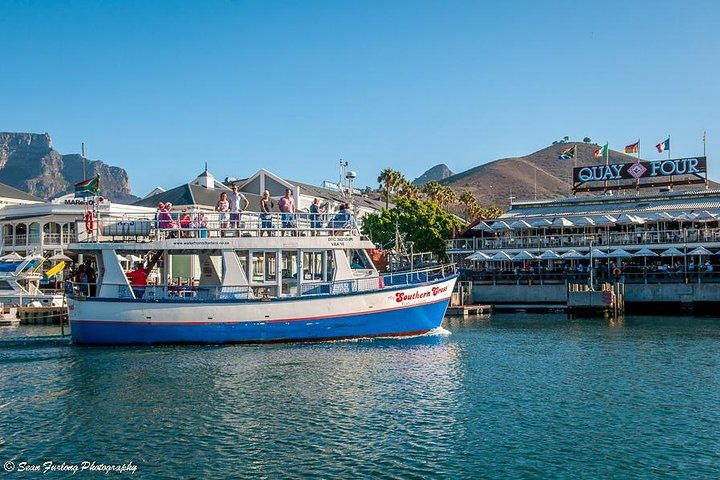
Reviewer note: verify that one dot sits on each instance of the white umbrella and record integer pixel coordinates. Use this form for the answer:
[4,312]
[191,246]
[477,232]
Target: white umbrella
[540,223]
[671,252]
[573,255]
[482,226]
[134,258]
[524,255]
[500,225]
[583,221]
[478,256]
[645,252]
[619,253]
[700,251]
[627,219]
[60,257]
[501,256]
[549,255]
[520,225]
[603,220]
[562,222]
[14,256]
[705,216]
[597,253]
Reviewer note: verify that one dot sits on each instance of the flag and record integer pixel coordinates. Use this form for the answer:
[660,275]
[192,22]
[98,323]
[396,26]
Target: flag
[601,152]
[662,146]
[633,148]
[568,153]
[88,188]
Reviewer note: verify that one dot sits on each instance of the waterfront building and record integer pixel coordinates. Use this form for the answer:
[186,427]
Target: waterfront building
[663,246]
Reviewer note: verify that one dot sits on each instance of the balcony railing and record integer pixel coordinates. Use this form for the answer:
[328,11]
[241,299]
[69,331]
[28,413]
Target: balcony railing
[574,240]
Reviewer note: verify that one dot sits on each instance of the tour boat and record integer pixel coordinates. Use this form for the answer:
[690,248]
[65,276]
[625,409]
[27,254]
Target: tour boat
[20,283]
[269,279]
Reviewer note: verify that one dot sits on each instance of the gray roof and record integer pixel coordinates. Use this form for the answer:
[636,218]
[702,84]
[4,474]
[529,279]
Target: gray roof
[186,194]
[327,194]
[6,191]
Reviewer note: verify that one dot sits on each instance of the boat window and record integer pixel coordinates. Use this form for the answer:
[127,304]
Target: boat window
[312,265]
[264,266]
[243,260]
[329,265]
[289,263]
[4,285]
[358,259]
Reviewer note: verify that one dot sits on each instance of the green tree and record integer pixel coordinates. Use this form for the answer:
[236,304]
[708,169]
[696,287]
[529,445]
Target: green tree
[467,199]
[422,222]
[388,180]
[433,190]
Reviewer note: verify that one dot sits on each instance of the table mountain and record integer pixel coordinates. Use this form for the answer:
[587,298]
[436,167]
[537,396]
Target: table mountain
[29,163]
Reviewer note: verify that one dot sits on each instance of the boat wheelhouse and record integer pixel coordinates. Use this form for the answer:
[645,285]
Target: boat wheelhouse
[281,277]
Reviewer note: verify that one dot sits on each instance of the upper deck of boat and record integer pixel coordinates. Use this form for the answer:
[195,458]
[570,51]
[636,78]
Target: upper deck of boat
[194,231]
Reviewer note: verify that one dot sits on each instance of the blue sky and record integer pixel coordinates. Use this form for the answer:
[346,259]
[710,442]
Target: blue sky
[159,88]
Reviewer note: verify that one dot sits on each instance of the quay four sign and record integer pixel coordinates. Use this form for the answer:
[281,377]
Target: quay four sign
[635,171]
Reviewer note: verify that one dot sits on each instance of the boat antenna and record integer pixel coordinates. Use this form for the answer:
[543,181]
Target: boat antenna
[346,181]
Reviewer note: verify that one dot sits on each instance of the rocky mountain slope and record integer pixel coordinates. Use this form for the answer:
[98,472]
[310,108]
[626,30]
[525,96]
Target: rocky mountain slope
[537,175]
[29,163]
[436,173]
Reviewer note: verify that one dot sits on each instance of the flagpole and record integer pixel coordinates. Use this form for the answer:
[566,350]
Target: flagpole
[82,150]
[637,180]
[668,152]
[706,162]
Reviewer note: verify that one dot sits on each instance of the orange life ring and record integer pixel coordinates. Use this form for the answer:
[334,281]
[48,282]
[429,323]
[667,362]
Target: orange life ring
[89,222]
[616,271]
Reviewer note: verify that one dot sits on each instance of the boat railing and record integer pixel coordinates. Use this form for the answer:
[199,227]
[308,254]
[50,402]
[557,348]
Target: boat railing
[242,292]
[215,225]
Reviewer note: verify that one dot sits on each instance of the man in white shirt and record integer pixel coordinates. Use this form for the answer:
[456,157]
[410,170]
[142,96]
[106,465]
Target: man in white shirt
[235,197]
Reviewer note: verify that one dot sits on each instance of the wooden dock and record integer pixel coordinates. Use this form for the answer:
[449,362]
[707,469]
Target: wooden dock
[42,315]
[465,310]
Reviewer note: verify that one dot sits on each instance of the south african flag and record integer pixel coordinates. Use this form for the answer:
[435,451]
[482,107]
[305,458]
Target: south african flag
[88,188]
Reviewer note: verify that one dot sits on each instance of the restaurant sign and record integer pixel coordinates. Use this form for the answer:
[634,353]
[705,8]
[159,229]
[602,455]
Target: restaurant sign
[635,171]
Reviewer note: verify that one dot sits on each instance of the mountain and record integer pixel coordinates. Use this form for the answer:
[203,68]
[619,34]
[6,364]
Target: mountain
[436,173]
[29,163]
[537,175]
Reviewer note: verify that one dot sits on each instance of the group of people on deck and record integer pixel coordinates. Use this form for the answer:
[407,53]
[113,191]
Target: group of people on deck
[231,205]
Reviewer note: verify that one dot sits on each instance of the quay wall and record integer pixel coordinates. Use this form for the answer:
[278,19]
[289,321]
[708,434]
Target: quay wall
[669,293]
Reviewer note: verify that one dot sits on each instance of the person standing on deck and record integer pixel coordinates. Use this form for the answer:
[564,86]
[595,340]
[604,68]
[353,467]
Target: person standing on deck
[235,197]
[286,205]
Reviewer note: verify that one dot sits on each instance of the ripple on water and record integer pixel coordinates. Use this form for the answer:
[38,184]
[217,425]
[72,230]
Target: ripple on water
[515,396]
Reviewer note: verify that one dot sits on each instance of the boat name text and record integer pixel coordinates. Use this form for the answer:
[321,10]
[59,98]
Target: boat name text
[403,297]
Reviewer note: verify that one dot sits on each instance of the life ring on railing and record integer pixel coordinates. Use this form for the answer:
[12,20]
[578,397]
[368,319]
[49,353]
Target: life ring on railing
[89,222]
[381,282]
[617,271]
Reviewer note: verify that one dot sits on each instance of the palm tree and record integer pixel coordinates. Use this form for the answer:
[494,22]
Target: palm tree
[446,197]
[468,200]
[433,190]
[409,190]
[386,179]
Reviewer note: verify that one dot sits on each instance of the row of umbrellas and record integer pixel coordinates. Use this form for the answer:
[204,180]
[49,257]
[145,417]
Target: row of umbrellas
[575,255]
[598,220]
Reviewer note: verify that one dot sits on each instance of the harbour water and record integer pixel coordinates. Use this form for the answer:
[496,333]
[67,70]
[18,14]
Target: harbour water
[512,396]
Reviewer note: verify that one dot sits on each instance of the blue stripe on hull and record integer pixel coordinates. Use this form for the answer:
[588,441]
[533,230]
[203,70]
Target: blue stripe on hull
[406,321]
